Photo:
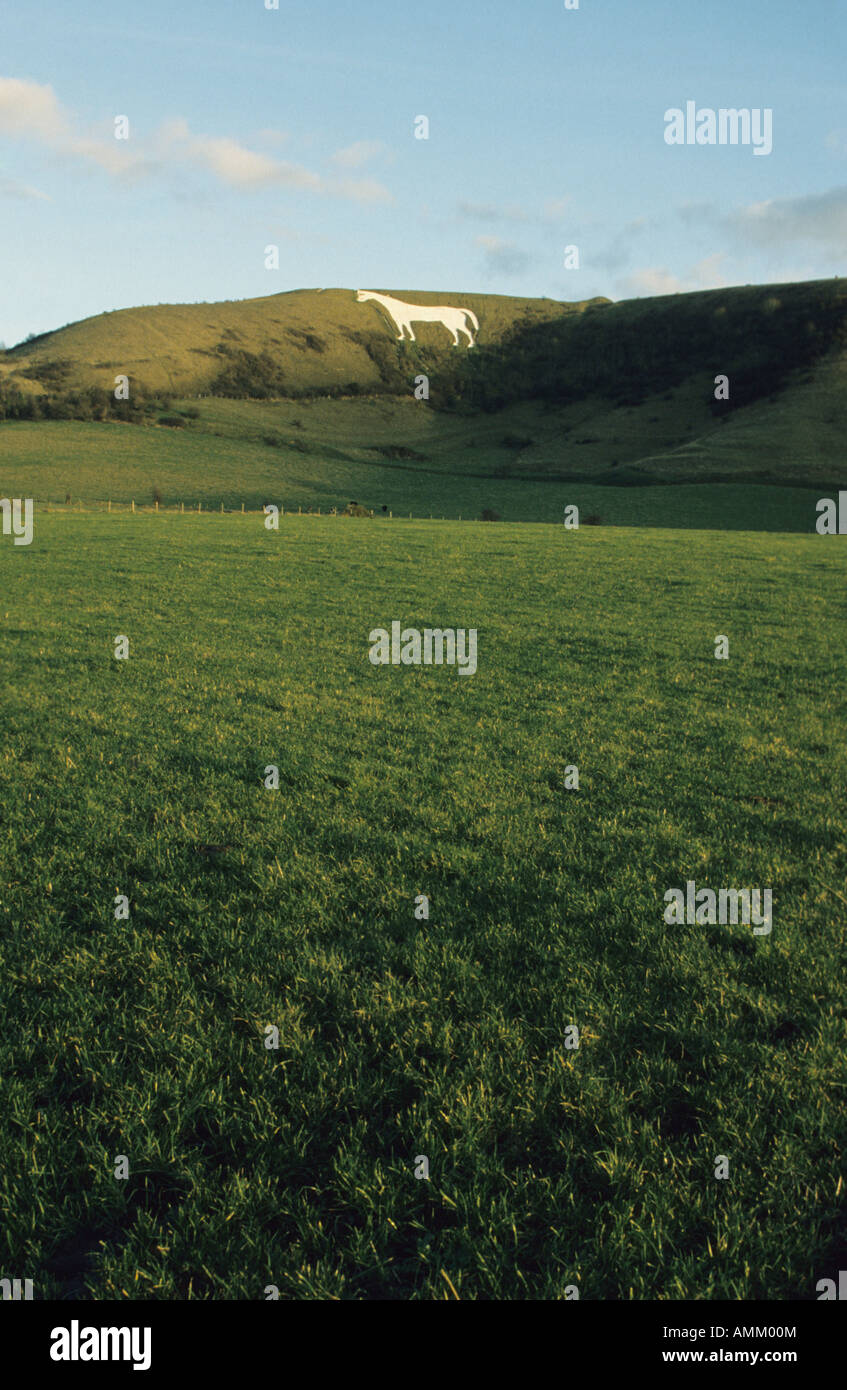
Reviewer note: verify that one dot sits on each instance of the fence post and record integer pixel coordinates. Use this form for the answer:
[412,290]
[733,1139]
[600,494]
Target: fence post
[242,508]
[222,506]
[133,504]
[109,505]
[157,504]
[199,506]
[182,506]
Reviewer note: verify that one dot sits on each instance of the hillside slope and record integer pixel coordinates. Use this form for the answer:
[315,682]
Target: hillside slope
[312,339]
[594,392]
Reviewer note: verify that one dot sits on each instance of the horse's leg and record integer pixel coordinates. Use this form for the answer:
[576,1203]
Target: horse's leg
[463,328]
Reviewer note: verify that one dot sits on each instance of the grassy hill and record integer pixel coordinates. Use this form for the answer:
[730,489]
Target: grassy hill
[315,339]
[308,398]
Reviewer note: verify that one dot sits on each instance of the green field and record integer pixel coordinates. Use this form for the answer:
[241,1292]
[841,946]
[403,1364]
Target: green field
[328,454]
[549,1167]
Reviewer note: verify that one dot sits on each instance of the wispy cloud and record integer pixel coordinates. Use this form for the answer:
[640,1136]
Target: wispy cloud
[359,190]
[651,280]
[359,153]
[492,212]
[30,110]
[815,221]
[819,218]
[10,189]
[553,210]
[654,280]
[231,162]
[618,252]
[502,257]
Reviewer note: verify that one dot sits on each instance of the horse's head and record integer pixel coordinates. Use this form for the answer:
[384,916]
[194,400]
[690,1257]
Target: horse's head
[362,295]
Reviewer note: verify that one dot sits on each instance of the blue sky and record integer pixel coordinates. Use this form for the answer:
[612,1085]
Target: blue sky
[295,127]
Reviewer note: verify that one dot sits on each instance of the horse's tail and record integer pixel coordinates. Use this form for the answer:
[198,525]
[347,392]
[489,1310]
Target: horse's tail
[469,314]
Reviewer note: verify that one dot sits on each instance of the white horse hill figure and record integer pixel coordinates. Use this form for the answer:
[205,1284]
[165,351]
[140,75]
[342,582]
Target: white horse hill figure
[403,314]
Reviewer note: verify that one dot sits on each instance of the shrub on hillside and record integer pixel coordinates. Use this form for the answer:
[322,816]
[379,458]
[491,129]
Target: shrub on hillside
[253,374]
[395,451]
[90,403]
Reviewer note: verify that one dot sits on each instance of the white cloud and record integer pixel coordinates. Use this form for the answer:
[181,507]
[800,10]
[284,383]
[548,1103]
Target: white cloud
[656,280]
[238,167]
[357,154]
[231,162]
[111,155]
[31,110]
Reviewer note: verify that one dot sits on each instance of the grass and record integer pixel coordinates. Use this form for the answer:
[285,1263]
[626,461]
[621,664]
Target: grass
[314,334]
[599,404]
[457,473]
[594,392]
[295,1167]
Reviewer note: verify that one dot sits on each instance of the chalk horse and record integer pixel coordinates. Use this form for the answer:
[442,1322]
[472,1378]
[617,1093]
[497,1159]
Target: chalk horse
[403,314]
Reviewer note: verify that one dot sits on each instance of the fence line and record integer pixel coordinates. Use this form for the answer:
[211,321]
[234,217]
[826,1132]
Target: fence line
[208,508]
